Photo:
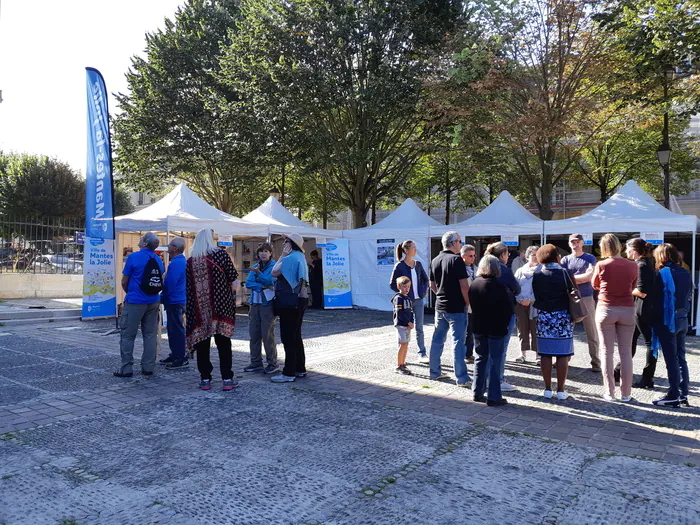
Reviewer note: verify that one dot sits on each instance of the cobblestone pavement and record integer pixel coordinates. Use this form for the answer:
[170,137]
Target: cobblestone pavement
[351,443]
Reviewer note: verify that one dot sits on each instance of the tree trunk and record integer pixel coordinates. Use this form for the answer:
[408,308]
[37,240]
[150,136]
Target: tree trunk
[359,216]
[374,212]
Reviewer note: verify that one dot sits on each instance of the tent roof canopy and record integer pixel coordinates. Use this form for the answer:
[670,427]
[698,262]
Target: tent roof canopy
[280,220]
[408,216]
[631,209]
[183,210]
[504,215]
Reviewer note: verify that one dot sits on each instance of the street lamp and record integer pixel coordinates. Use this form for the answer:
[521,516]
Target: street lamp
[274,192]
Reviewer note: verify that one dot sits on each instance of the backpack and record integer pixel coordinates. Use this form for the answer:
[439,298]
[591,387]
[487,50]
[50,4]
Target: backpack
[152,278]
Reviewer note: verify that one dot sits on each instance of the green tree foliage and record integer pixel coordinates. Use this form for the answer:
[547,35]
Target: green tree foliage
[122,201]
[171,126]
[40,186]
[348,76]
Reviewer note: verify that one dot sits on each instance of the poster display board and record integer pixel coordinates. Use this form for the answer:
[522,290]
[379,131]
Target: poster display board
[385,253]
[587,239]
[225,240]
[99,282]
[336,274]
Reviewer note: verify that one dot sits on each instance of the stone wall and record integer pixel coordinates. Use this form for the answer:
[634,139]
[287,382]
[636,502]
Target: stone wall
[37,285]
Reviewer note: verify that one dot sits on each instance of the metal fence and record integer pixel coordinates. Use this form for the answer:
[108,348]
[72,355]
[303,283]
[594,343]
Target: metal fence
[41,244]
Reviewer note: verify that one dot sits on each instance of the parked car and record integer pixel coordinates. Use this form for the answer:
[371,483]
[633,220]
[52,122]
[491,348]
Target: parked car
[65,263]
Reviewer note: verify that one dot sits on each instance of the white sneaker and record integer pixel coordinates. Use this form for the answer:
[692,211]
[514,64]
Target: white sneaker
[608,398]
[626,399]
[506,387]
[547,394]
[281,378]
[520,359]
[424,360]
[562,396]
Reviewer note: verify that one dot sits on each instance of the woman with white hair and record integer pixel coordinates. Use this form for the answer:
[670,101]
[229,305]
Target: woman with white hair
[211,280]
[492,309]
[525,313]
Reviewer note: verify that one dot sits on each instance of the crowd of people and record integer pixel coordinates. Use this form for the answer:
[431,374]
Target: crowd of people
[199,297]
[646,293]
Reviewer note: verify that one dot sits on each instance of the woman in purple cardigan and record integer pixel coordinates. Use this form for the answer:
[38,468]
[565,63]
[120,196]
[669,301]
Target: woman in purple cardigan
[408,266]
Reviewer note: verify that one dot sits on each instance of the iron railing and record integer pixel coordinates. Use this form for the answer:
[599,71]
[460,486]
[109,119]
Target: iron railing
[41,244]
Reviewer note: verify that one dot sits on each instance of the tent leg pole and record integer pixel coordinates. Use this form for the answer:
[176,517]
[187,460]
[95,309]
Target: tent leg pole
[693,293]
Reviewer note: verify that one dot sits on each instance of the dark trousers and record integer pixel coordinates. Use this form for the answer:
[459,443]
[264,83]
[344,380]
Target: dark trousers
[176,331]
[673,347]
[223,344]
[470,337]
[487,365]
[642,326]
[291,320]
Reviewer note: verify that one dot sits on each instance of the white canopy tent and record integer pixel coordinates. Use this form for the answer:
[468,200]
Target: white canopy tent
[370,262]
[631,209]
[182,210]
[504,216]
[279,220]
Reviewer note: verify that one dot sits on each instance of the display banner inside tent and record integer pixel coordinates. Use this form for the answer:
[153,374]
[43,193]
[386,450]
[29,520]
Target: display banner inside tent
[654,238]
[99,269]
[587,239]
[336,274]
[385,253]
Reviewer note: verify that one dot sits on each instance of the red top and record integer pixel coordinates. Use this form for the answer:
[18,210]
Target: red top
[615,278]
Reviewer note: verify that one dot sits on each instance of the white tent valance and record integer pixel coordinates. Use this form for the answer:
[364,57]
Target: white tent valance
[631,209]
[278,220]
[183,210]
[504,216]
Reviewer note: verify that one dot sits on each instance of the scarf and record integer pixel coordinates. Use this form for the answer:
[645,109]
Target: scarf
[669,307]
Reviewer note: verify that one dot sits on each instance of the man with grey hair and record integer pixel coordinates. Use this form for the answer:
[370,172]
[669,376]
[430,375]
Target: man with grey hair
[449,281]
[174,299]
[142,280]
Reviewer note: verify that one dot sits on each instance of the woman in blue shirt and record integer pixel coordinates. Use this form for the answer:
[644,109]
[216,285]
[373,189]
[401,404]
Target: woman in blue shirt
[261,317]
[408,266]
[292,273]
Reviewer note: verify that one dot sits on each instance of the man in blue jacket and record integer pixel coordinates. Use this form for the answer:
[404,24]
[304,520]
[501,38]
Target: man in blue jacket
[174,299]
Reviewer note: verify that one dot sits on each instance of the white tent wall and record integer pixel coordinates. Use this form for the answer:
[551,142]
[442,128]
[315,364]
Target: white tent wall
[370,284]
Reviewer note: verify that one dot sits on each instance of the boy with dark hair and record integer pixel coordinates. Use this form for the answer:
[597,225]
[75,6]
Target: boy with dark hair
[404,320]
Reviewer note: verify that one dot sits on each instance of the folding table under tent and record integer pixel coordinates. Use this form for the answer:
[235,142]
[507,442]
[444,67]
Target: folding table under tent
[372,253]
[504,216]
[630,210]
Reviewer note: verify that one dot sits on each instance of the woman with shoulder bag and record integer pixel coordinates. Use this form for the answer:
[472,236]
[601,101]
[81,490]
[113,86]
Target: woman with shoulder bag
[211,280]
[408,266]
[615,278]
[291,301]
[551,285]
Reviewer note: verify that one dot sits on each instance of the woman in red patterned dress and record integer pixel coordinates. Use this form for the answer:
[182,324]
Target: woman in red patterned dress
[211,301]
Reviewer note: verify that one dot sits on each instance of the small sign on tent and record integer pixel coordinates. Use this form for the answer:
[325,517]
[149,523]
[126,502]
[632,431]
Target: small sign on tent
[225,240]
[587,239]
[385,253]
[510,240]
[653,237]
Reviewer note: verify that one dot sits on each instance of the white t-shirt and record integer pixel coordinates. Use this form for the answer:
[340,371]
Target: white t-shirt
[414,282]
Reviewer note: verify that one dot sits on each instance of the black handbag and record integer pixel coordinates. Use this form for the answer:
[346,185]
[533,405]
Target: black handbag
[577,309]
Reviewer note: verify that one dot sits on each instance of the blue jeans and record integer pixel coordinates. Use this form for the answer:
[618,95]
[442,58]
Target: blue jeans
[419,311]
[458,323]
[506,340]
[470,337]
[487,361]
[673,348]
[176,331]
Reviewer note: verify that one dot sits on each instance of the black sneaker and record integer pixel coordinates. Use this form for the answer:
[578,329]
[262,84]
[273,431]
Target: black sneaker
[168,360]
[403,369]
[480,399]
[496,402]
[177,365]
[642,384]
[667,402]
[300,374]
[271,369]
[254,368]
[684,401]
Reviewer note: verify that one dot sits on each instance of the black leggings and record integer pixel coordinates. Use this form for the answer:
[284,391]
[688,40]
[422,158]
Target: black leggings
[223,344]
[291,320]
